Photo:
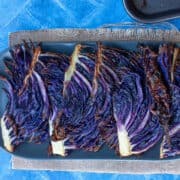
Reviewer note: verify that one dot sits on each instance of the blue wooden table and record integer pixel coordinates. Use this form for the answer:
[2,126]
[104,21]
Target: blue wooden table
[40,14]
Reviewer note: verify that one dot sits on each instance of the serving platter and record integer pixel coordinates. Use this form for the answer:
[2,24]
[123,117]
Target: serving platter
[39,151]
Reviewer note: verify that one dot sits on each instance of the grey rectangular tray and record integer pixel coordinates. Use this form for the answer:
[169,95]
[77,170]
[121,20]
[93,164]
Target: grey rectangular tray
[149,11]
[61,40]
[96,165]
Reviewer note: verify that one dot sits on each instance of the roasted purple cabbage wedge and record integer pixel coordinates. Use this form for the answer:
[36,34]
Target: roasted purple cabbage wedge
[26,116]
[137,129]
[52,68]
[125,121]
[156,75]
[75,127]
[172,149]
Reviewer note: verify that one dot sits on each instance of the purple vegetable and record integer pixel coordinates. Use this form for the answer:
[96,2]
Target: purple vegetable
[125,121]
[137,129]
[172,149]
[51,67]
[27,111]
[164,60]
[76,127]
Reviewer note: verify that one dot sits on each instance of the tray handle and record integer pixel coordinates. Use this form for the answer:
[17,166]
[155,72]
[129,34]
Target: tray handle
[124,25]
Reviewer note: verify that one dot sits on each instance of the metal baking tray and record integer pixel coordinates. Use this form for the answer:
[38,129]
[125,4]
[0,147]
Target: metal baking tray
[150,11]
[39,151]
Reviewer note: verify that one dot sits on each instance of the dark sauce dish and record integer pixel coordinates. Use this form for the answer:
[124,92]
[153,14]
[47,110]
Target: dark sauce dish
[151,11]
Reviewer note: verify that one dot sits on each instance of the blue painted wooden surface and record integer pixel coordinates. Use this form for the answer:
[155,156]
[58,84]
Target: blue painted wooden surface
[39,14]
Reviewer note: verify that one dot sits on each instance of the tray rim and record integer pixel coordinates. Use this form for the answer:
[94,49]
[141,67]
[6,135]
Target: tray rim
[95,34]
[100,166]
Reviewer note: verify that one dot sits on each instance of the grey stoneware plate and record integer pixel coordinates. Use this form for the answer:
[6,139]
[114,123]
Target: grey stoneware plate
[150,11]
[39,151]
